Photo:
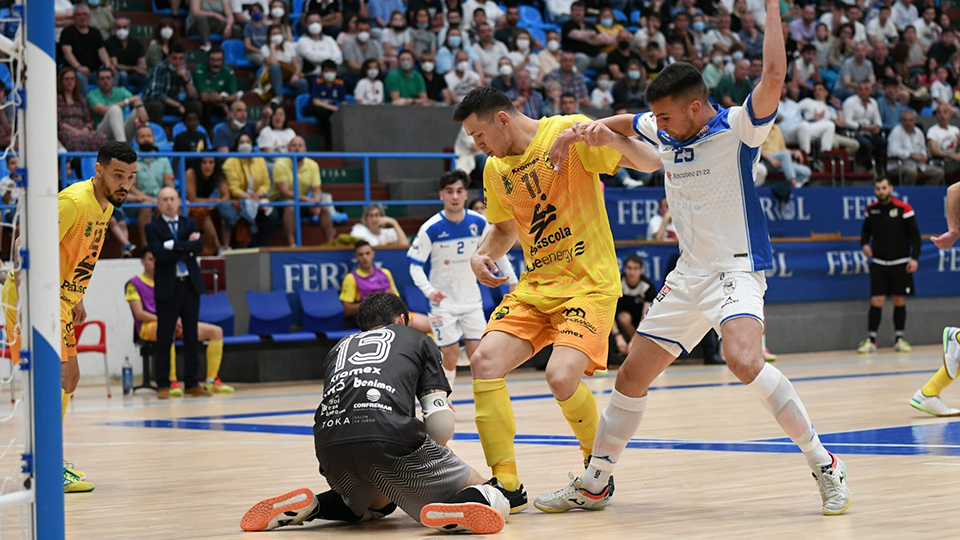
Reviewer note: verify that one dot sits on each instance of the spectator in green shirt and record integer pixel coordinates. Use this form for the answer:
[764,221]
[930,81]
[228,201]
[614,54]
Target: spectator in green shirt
[107,105]
[217,85]
[732,90]
[404,85]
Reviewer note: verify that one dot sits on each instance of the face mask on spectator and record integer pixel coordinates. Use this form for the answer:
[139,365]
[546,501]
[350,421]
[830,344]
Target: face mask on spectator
[633,74]
[553,45]
[717,60]
[463,66]
[276,39]
[372,73]
[363,37]
[329,76]
[606,22]
[427,67]
[148,147]
[423,26]
[166,32]
[523,44]
[245,147]
[455,41]
[276,12]
[406,65]
[506,70]
[698,26]
[238,124]
[93,3]
[257,16]
[122,33]
[737,56]
[604,83]
[315,28]
[624,44]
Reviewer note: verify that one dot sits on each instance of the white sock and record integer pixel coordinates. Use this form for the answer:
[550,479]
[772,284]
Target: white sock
[778,396]
[618,422]
[451,375]
[763,341]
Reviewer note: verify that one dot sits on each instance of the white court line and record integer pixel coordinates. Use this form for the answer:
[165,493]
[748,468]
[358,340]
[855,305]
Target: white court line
[944,464]
[182,443]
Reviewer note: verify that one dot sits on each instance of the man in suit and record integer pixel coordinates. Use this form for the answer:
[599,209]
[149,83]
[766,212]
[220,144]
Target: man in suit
[175,242]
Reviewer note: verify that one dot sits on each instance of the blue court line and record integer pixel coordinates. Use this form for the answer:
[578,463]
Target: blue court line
[531,397]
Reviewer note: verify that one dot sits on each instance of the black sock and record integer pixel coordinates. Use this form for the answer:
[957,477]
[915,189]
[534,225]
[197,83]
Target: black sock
[332,507]
[873,321]
[470,494]
[899,320]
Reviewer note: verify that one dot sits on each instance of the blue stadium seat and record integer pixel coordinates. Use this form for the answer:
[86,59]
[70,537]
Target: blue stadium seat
[5,76]
[270,315]
[160,138]
[619,16]
[536,32]
[216,309]
[87,167]
[214,38]
[300,104]
[165,11]
[926,111]
[295,10]
[290,337]
[171,119]
[635,16]
[323,313]
[416,301]
[234,53]
[181,127]
[530,15]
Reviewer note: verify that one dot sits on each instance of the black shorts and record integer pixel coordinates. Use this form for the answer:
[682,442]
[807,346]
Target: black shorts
[890,280]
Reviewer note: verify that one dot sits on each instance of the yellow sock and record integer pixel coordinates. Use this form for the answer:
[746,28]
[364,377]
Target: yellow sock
[580,410]
[214,357]
[173,362]
[497,427]
[937,383]
[65,400]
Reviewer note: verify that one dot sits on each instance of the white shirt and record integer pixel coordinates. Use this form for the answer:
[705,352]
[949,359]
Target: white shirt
[789,112]
[461,85]
[803,70]
[61,6]
[643,37]
[715,36]
[901,144]
[653,226]
[710,188]
[490,58]
[944,138]
[927,34]
[9,185]
[174,225]
[490,7]
[904,16]
[388,235]
[369,92]
[886,33]
[271,140]
[316,51]
[601,98]
[395,39]
[942,92]
[810,108]
[857,115]
[447,246]
[285,54]
[557,7]
[533,62]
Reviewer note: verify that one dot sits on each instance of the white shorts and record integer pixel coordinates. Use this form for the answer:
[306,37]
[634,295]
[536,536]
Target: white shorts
[452,324]
[687,307]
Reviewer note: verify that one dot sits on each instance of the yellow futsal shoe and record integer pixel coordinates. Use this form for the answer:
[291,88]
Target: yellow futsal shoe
[69,466]
[217,387]
[73,484]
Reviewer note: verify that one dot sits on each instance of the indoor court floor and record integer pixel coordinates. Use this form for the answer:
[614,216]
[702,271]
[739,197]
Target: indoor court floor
[707,462]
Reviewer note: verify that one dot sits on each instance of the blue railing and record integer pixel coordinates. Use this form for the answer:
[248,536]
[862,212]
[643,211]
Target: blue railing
[179,163]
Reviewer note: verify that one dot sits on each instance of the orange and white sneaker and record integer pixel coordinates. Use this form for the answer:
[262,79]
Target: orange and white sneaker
[475,517]
[291,508]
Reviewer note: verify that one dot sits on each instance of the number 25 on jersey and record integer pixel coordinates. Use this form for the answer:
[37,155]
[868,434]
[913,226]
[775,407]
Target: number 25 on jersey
[682,155]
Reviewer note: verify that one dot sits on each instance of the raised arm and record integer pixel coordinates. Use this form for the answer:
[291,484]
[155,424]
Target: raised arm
[947,239]
[766,97]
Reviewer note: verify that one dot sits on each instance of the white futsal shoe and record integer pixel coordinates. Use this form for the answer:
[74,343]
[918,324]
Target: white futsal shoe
[932,405]
[951,350]
[832,481]
[573,497]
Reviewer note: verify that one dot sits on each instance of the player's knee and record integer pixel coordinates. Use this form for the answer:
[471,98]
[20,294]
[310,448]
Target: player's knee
[485,366]
[744,362]
[562,382]
[216,333]
[624,319]
[629,377]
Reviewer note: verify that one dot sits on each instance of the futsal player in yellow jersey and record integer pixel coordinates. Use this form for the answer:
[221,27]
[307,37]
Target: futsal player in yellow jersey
[568,293]
[84,210]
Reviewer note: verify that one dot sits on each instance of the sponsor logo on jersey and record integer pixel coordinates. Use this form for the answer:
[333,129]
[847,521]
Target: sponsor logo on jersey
[894,211]
[443,234]
[373,395]
[354,372]
[546,160]
[543,216]
[550,239]
[333,422]
[578,316]
[526,166]
[507,184]
[379,406]
[474,229]
[72,287]
[729,285]
[567,255]
[664,291]
[573,312]
[374,385]
[572,333]
[502,312]
[88,230]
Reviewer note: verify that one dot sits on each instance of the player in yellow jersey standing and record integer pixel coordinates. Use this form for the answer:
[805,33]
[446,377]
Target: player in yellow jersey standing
[84,210]
[568,293]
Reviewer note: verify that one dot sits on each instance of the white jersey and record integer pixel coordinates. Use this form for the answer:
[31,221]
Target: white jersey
[709,183]
[448,246]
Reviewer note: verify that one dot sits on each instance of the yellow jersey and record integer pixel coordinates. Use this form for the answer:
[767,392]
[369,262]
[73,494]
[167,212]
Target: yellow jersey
[83,227]
[561,218]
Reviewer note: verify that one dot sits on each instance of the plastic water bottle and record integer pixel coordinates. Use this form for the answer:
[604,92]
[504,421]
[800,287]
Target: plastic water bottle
[127,376]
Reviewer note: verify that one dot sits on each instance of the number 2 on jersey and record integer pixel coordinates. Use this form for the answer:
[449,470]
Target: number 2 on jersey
[460,246]
[373,347]
[682,155]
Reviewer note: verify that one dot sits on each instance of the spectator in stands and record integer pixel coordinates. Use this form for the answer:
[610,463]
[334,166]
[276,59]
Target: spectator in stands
[855,70]
[522,55]
[714,70]
[891,105]
[308,180]
[423,39]
[369,90]
[379,230]
[453,20]
[825,43]
[778,158]
[327,96]
[928,31]
[618,58]
[225,134]
[83,49]
[469,157]
[277,16]
[804,29]
[504,81]
[404,85]
[908,55]
[446,56]
[722,35]
[570,81]
[941,91]
[653,62]
[249,183]
[904,14]
[908,153]
[488,52]
[395,38]
[678,53]
[551,98]
[332,13]
[660,227]
[435,84]
[166,82]
[127,56]
[101,17]
[584,41]
[360,49]
[549,56]
[7,118]
[461,80]
[277,134]
[216,85]
[75,128]
[164,35]
[609,29]
[883,67]
[600,97]
[381,11]
[650,31]
[751,37]
[628,92]
[882,28]
[558,9]
[862,115]
[569,104]
[944,141]
[431,6]
[209,17]
[314,48]
[63,17]
[943,49]
[255,35]
[818,120]
[153,174]
[283,66]
[349,30]
[478,206]
[206,183]
[9,194]
[108,105]
[638,294]
[525,98]
[242,10]
[492,14]
[842,48]
[191,139]
[508,32]
[733,89]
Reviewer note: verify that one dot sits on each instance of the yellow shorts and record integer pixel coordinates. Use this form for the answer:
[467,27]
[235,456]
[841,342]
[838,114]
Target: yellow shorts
[148,331]
[581,323]
[68,345]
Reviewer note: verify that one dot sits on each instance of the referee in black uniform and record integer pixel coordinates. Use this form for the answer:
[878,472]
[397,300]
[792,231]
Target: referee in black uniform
[891,238]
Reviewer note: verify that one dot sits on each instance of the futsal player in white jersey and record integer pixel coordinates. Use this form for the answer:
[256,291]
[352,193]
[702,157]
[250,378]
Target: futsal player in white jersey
[709,156]
[447,241]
